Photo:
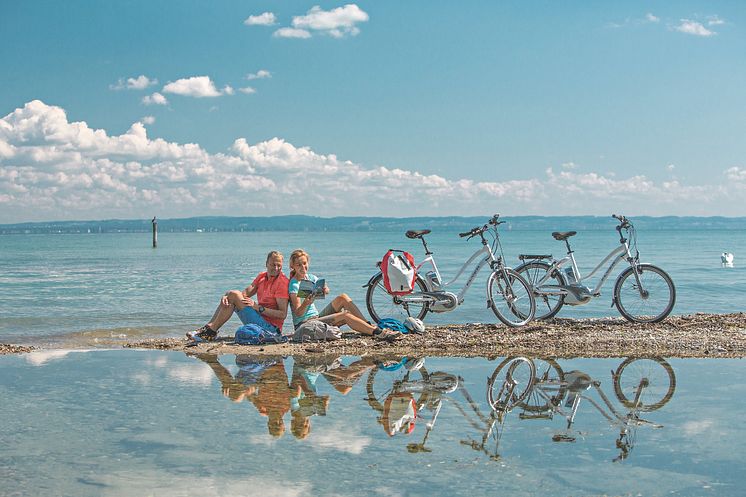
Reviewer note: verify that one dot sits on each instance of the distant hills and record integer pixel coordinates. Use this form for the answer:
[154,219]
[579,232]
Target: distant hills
[311,223]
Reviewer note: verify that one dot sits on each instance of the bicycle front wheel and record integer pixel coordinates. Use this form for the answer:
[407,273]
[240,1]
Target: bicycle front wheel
[381,304]
[547,305]
[510,298]
[644,384]
[649,301]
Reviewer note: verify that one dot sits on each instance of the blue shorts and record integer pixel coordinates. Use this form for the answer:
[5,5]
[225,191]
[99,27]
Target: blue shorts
[248,315]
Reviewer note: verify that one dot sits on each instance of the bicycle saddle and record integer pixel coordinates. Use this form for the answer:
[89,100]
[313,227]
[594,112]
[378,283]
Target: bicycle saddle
[563,235]
[417,233]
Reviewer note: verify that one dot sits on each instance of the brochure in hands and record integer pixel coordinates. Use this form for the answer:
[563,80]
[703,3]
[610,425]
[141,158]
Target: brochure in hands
[307,287]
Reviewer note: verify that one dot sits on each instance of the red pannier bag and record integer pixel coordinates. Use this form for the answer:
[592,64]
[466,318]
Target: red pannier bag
[399,272]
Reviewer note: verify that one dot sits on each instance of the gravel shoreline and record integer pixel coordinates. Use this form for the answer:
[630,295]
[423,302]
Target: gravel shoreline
[696,335]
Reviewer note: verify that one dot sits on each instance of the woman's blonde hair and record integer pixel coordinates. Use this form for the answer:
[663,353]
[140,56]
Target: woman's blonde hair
[297,254]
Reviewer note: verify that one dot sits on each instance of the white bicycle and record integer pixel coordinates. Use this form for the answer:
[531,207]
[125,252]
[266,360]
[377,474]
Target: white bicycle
[508,294]
[643,293]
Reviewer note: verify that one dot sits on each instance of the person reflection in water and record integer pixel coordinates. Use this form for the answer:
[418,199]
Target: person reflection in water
[305,376]
[263,382]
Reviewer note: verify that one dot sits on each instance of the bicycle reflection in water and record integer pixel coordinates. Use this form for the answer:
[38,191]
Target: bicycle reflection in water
[403,392]
[640,385]
[264,383]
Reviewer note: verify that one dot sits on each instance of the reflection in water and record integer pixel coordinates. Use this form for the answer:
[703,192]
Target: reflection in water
[404,393]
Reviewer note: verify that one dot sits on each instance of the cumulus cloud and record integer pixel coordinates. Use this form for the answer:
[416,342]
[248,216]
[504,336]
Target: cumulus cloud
[649,17]
[337,23]
[154,99]
[139,83]
[714,21]
[247,90]
[736,173]
[260,74]
[291,33]
[196,86]
[693,28]
[148,120]
[54,169]
[264,19]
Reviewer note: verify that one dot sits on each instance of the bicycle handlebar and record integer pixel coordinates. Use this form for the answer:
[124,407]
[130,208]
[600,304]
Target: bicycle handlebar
[623,221]
[481,229]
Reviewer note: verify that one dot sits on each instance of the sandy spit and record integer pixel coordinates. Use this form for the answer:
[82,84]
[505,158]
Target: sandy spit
[697,335]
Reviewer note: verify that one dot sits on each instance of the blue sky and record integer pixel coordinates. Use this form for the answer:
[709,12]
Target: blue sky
[133,109]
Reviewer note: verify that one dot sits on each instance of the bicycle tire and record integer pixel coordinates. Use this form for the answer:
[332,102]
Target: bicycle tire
[662,381]
[519,369]
[547,305]
[510,297]
[551,378]
[381,304]
[654,307]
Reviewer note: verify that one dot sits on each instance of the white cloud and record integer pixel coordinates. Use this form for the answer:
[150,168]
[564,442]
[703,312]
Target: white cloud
[736,173]
[649,17]
[154,99]
[693,28]
[569,165]
[260,74]
[697,428]
[148,120]
[247,90]
[196,86]
[196,374]
[291,33]
[337,22]
[139,83]
[714,21]
[56,169]
[264,19]
[339,438]
[670,167]
[41,357]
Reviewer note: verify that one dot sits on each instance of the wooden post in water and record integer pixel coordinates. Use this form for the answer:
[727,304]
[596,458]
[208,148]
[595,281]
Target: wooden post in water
[155,232]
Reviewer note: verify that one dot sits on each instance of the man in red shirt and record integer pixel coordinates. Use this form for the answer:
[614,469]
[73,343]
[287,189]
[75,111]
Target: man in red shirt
[268,310]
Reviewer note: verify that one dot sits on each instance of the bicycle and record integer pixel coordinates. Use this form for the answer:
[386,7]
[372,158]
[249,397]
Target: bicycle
[509,295]
[643,293]
[640,385]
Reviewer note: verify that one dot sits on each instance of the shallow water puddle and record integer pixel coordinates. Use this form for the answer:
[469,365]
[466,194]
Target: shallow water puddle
[162,423]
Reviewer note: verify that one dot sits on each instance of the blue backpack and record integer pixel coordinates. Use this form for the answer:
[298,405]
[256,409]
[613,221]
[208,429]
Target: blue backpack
[393,324]
[253,334]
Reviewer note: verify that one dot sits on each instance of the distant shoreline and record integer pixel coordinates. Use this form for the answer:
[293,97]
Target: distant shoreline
[364,224]
[696,335]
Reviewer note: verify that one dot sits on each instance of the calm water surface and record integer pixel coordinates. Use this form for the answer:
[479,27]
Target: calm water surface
[87,290]
[111,423]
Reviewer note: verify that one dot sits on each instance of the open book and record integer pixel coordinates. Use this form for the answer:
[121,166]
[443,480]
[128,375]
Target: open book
[307,287]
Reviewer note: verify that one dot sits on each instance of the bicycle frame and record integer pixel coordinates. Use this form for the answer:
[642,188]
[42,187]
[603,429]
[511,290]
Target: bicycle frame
[489,259]
[616,256]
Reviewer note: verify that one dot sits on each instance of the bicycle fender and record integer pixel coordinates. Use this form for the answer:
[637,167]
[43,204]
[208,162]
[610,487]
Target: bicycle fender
[370,281]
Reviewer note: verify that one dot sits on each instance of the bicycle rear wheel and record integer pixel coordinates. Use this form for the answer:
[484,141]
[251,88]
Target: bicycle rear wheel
[547,305]
[510,383]
[381,304]
[650,304]
[644,384]
[510,297]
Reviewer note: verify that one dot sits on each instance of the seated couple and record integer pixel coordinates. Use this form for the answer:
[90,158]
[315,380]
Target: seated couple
[273,292]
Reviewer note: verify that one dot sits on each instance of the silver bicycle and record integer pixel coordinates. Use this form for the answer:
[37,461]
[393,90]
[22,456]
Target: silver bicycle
[643,293]
[508,294]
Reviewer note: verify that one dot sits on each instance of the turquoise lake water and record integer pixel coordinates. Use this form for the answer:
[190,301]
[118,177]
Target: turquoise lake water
[83,418]
[110,423]
[90,290]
